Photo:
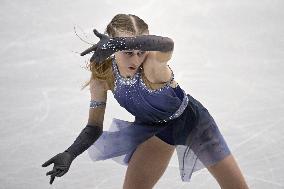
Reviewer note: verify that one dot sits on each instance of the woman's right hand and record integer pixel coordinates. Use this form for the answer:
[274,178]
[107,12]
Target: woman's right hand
[62,162]
[102,50]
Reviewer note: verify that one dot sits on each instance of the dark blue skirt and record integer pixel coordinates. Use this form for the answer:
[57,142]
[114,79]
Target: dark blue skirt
[195,135]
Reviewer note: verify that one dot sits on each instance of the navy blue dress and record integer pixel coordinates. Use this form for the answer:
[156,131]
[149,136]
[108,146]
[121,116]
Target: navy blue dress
[168,113]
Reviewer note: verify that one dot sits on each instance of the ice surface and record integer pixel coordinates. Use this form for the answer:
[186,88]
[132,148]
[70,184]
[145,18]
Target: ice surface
[228,55]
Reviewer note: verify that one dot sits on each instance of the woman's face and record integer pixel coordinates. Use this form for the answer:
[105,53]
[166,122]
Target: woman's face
[128,61]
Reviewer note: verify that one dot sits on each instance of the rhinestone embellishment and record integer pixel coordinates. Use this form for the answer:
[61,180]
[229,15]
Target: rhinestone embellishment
[179,111]
[166,86]
[122,80]
[94,104]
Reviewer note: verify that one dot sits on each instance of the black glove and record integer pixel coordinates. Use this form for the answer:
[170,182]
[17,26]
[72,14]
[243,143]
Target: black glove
[107,46]
[62,162]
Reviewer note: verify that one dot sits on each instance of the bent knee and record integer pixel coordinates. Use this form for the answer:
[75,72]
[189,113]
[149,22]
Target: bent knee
[228,174]
[147,164]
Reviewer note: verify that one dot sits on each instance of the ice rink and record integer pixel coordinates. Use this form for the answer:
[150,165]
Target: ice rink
[228,54]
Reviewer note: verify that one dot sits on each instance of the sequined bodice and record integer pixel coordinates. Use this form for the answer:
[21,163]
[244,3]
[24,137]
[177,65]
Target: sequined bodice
[153,105]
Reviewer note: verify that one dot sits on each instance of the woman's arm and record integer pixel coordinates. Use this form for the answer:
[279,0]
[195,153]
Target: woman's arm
[160,57]
[107,46]
[156,67]
[86,138]
[98,91]
[94,128]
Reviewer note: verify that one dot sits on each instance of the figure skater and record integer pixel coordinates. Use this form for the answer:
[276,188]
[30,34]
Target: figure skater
[133,64]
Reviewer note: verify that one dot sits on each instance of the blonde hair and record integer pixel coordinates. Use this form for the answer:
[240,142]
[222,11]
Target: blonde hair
[120,23]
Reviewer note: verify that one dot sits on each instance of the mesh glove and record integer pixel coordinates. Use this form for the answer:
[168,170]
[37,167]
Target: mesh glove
[62,161]
[107,46]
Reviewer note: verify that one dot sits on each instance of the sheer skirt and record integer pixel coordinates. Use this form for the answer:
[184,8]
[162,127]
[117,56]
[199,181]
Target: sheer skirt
[195,135]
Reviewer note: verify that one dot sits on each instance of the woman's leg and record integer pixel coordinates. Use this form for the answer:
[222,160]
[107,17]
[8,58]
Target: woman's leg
[228,174]
[147,164]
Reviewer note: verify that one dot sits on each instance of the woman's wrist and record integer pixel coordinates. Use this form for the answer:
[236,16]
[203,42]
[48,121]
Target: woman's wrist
[85,139]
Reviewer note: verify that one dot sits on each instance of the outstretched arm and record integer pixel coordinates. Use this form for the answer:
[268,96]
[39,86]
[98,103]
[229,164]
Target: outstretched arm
[86,138]
[94,128]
